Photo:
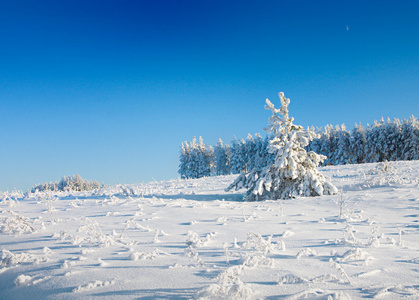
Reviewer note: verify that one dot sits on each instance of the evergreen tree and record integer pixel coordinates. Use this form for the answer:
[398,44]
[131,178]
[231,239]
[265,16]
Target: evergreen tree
[373,144]
[206,164]
[394,140]
[293,172]
[325,144]
[259,158]
[237,161]
[411,139]
[315,144]
[222,159]
[196,160]
[250,153]
[357,145]
[184,160]
[342,156]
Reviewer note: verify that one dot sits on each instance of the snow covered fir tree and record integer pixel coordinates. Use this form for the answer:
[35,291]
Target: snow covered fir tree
[294,170]
[196,160]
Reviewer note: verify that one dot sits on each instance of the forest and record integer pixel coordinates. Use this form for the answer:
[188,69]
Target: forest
[384,140]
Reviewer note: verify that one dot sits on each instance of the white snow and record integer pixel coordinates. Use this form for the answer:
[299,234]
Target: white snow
[184,239]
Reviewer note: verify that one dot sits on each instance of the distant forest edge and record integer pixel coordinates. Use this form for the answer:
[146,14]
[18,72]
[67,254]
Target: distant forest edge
[381,141]
[67,184]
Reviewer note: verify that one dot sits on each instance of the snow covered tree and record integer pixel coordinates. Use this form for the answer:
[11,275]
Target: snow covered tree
[343,138]
[374,142]
[326,144]
[315,144]
[196,160]
[332,156]
[205,159]
[410,132]
[294,171]
[259,160]
[394,140]
[237,161]
[222,159]
[357,144]
[250,153]
[184,160]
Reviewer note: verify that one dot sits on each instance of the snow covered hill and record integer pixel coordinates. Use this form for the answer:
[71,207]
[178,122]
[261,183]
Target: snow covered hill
[185,239]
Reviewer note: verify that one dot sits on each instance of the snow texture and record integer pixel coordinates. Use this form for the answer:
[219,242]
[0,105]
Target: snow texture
[186,239]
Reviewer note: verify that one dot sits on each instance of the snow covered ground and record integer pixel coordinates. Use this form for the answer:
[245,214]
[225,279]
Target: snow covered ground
[185,239]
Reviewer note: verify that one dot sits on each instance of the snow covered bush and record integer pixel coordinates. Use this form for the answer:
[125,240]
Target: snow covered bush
[9,259]
[294,171]
[15,224]
[228,286]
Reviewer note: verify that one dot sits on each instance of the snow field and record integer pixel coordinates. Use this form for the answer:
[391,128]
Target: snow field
[184,239]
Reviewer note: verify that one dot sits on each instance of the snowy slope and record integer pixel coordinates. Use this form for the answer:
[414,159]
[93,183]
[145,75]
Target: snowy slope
[185,239]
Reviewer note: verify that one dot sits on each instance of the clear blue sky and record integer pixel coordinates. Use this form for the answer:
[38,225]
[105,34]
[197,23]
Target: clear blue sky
[110,89]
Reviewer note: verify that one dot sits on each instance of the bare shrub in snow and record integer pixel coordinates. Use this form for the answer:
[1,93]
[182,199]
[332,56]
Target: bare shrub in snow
[261,244]
[9,259]
[196,242]
[349,237]
[193,254]
[294,171]
[228,286]
[338,267]
[7,199]
[47,199]
[291,279]
[385,173]
[258,261]
[306,252]
[16,224]
[95,234]
[354,255]
[147,255]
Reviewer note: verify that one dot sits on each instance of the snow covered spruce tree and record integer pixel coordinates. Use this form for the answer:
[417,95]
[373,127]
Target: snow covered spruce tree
[222,158]
[293,172]
[196,160]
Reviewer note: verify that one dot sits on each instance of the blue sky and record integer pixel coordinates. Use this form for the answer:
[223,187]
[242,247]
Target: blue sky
[110,89]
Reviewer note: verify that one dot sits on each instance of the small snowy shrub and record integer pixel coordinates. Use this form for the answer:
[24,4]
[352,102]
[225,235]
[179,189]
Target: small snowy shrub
[95,234]
[9,259]
[16,224]
[228,286]
[6,199]
[294,171]
[338,267]
[193,254]
[147,255]
[194,240]
[259,243]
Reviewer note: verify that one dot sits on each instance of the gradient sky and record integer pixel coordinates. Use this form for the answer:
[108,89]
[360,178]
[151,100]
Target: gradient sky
[110,89]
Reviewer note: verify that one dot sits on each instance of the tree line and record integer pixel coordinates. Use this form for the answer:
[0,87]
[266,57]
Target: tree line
[68,183]
[384,140]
